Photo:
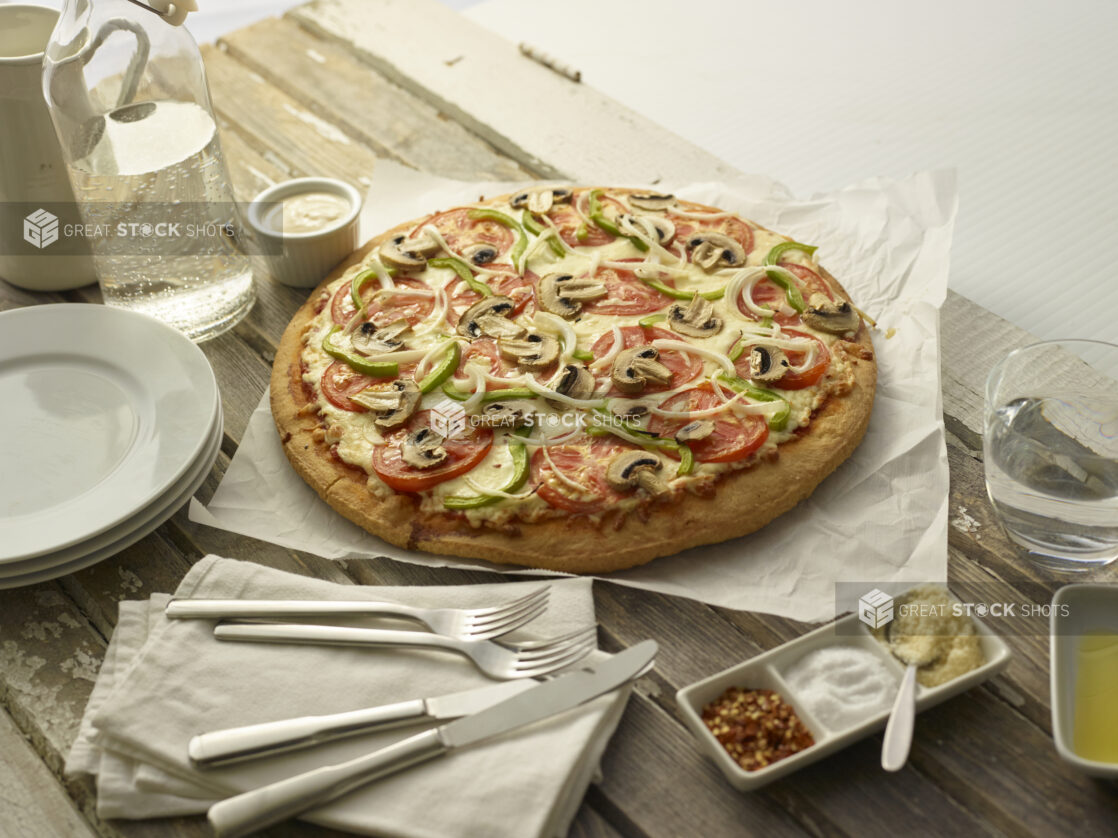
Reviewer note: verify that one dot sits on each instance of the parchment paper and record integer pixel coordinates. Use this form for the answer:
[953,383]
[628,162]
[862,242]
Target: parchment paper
[882,516]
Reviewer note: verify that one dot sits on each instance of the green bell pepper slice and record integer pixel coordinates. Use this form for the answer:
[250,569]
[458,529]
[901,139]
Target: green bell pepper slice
[484,214]
[443,370]
[376,369]
[779,420]
[452,392]
[773,256]
[519,476]
[599,218]
[676,294]
[782,276]
[652,320]
[584,355]
[465,274]
[535,228]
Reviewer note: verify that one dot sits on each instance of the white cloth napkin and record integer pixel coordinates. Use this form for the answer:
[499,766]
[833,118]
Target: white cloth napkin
[164,681]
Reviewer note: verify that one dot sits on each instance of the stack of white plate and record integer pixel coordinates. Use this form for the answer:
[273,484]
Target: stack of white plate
[109,422]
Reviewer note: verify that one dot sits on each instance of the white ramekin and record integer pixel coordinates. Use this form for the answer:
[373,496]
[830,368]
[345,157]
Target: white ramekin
[302,260]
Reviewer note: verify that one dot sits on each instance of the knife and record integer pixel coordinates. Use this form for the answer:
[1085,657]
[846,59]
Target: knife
[276,802]
[223,747]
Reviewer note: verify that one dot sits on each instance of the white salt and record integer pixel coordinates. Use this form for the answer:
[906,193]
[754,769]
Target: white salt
[842,686]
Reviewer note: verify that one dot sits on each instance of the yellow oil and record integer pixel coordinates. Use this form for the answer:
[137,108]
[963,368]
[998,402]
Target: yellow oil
[1096,697]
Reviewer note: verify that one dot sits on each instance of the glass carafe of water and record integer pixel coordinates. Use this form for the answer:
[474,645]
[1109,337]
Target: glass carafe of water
[127,93]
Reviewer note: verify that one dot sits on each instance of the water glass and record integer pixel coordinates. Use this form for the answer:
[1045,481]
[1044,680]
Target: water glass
[1051,451]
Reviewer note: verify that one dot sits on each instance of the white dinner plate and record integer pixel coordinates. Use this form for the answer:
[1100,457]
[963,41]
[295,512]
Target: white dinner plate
[102,411]
[145,520]
[42,569]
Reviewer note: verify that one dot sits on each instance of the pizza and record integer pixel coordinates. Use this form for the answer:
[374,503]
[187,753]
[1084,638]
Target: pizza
[576,379]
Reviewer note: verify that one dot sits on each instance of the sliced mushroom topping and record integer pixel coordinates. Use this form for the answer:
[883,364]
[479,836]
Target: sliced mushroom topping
[500,415]
[577,382]
[628,408]
[481,253]
[391,405]
[636,469]
[654,227]
[767,363]
[564,295]
[423,448]
[715,250]
[540,200]
[368,339]
[532,352]
[634,368]
[827,316]
[694,431]
[695,319]
[409,253]
[489,316]
[652,201]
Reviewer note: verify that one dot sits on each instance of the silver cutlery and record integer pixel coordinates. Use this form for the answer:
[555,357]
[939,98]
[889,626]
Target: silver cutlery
[497,659]
[462,623]
[224,747]
[276,802]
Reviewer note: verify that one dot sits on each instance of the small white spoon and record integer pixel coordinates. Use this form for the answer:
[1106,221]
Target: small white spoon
[898,731]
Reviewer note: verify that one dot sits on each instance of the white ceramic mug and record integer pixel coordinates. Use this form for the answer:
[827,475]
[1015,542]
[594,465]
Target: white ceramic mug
[31,167]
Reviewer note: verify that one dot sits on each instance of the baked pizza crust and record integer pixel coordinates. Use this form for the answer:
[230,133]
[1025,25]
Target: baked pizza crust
[740,503]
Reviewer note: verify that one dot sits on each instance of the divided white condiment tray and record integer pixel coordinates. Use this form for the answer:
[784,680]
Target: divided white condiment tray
[765,672]
[1088,608]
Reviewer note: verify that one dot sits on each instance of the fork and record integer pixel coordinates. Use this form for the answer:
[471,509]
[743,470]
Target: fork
[499,660]
[459,623]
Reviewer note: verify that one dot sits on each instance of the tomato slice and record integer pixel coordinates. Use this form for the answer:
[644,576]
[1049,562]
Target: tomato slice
[684,367]
[767,293]
[733,438]
[625,294]
[340,382]
[460,231]
[519,289]
[584,463]
[798,379]
[463,454]
[735,228]
[387,309]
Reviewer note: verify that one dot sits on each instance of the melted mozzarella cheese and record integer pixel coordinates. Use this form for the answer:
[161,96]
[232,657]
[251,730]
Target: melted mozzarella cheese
[357,435]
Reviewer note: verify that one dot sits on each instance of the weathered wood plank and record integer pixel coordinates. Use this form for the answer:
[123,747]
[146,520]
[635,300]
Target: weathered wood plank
[386,118]
[1008,771]
[656,784]
[32,801]
[589,824]
[261,111]
[524,109]
[972,340]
